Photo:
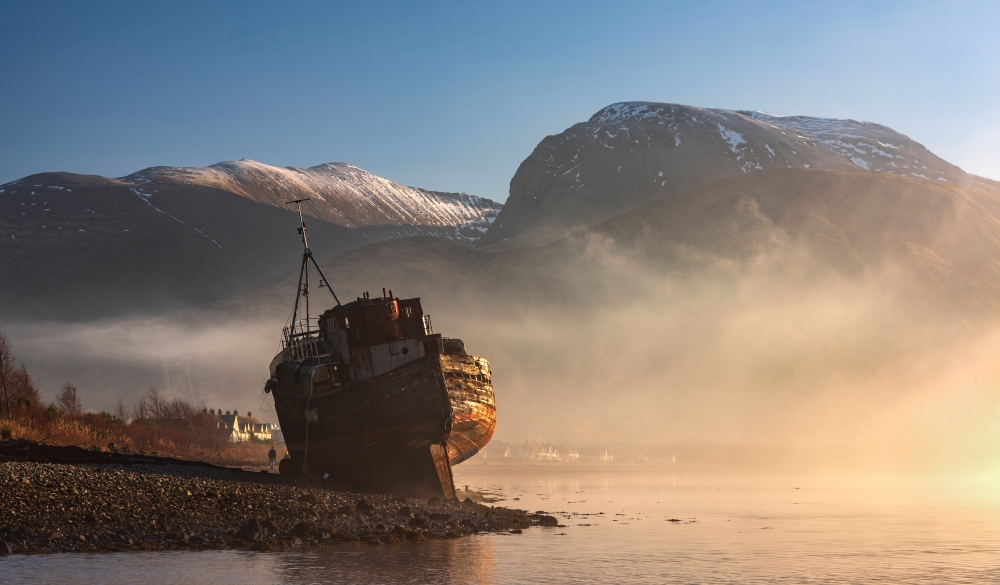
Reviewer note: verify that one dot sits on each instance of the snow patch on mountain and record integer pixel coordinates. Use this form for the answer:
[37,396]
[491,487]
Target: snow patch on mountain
[734,138]
[611,163]
[756,139]
[144,197]
[341,193]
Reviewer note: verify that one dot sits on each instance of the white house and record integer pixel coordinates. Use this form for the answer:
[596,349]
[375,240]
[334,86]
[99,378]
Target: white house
[238,428]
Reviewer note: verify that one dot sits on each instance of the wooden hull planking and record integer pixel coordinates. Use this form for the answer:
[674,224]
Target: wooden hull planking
[474,414]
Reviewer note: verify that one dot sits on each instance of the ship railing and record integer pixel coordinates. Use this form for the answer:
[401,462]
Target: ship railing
[302,328]
[303,341]
[428,328]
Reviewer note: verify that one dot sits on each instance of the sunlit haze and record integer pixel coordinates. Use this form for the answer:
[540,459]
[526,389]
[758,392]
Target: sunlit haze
[500,292]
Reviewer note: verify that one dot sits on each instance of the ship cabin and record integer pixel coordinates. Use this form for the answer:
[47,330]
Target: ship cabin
[369,337]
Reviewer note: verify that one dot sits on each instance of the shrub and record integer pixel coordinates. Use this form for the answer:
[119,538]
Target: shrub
[158,424]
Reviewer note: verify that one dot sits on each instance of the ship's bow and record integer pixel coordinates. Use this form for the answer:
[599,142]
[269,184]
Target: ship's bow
[474,414]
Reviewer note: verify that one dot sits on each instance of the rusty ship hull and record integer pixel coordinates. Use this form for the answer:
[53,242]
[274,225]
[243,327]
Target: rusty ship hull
[398,432]
[368,395]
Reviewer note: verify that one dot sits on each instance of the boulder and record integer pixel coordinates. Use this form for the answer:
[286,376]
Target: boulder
[305,528]
[543,520]
[250,532]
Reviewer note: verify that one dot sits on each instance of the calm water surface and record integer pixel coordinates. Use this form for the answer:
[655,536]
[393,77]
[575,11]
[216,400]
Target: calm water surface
[748,529]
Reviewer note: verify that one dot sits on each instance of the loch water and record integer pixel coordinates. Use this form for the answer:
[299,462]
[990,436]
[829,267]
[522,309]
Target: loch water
[637,525]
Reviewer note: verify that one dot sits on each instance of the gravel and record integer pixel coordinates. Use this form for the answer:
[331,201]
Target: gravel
[103,507]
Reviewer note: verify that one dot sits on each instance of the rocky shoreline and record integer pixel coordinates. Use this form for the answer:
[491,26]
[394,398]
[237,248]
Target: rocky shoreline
[152,504]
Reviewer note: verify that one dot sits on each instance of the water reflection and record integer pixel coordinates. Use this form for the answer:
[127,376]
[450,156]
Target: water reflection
[458,561]
[465,561]
[634,527]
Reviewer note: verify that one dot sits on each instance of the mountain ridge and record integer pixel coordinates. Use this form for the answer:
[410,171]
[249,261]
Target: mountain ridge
[631,153]
[81,247]
[342,194]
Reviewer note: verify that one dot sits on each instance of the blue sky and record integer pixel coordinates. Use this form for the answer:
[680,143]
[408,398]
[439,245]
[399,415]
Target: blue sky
[453,96]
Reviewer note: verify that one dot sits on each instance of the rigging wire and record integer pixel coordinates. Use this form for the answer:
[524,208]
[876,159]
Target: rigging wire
[303,291]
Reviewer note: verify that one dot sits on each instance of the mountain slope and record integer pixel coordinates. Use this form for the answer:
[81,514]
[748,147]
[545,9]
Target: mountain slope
[81,247]
[341,194]
[629,154]
[914,241]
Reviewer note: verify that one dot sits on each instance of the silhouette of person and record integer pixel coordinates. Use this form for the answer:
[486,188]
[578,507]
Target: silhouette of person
[272,455]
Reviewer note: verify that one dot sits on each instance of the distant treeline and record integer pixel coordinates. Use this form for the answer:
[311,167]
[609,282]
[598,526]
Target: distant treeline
[155,424]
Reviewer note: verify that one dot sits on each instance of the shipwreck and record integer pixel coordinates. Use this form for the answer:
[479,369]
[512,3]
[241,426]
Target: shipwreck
[369,396]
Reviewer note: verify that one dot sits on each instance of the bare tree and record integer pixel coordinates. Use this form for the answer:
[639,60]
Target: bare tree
[157,404]
[7,369]
[25,393]
[174,409]
[69,400]
[141,410]
[180,409]
[121,410]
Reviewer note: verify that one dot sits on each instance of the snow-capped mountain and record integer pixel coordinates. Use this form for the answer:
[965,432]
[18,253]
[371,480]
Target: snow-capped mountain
[629,154]
[83,246]
[341,194]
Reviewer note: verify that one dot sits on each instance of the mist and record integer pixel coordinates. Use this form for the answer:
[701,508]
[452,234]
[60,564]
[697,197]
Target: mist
[805,310]
[734,354]
[214,365]
[594,341]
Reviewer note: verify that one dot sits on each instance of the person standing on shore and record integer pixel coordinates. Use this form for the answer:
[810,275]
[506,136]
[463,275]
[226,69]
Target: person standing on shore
[272,455]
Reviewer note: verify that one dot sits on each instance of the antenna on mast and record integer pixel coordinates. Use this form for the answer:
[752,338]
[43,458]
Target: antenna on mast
[307,257]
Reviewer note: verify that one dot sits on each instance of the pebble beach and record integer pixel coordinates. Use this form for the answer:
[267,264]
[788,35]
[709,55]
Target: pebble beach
[148,504]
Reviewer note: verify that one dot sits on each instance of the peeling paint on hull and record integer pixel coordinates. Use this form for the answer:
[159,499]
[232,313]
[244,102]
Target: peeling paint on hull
[474,412]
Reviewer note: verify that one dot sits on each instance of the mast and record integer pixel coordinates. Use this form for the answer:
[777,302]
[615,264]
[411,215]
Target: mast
[307,257]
